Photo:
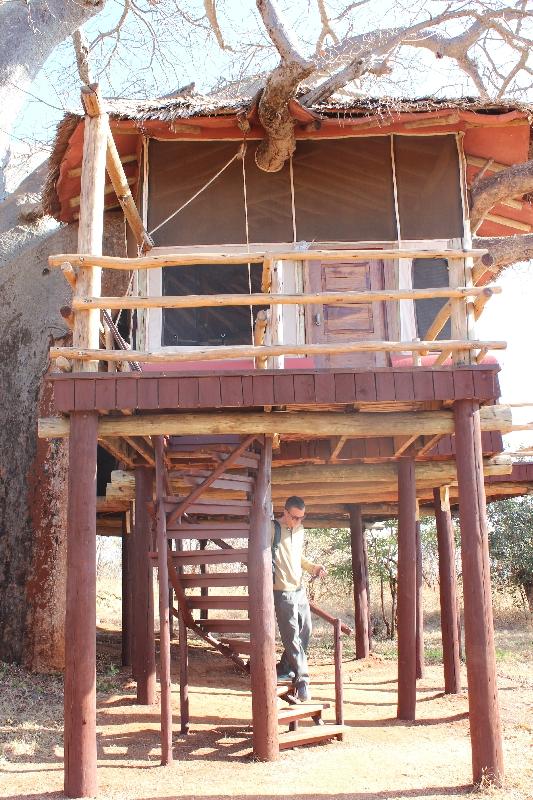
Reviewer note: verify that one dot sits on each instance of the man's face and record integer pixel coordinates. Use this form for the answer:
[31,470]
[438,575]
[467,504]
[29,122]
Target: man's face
[292,516]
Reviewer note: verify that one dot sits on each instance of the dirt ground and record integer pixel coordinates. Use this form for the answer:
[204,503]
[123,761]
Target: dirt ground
[380,759]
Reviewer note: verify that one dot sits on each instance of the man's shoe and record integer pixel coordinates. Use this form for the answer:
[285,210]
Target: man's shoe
[285,676]
[302,692]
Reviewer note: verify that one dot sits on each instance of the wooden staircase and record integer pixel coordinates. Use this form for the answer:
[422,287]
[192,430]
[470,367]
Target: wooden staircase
[211,527]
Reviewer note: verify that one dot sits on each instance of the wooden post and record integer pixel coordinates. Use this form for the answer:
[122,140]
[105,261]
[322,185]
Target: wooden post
[80,622]
[337,655]
[359,582]
[262,634]
[126,594]
[143,597]
[419,605]
[91,224]
[448,594]
[406,589]
[485,733]
[367,573]
[164,624]
[184,676]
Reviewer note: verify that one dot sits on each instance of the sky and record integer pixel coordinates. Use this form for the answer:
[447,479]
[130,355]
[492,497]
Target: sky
[191,54]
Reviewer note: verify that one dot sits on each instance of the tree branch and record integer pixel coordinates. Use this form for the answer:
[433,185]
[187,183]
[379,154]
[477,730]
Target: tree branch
[281,38]
[81,49]
[211,14]
[489,190]
[506,250]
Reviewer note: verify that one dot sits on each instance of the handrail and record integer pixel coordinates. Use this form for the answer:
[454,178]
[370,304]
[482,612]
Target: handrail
[482,293]
[181,354]
[339,627]
[86,260]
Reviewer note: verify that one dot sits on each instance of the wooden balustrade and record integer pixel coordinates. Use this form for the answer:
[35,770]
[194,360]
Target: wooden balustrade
[463,303]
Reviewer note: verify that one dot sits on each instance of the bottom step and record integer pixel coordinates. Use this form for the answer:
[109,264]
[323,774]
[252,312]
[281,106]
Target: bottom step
[311,735]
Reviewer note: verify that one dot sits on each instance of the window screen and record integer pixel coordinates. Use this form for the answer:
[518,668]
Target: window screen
[209,326]
[430,273]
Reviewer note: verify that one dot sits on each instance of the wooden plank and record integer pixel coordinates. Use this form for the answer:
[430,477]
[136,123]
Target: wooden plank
[403,386]
[208,533]
[423,385]
[304,388]
[84,395]
[147,393]
[301,711]
[247,390]
[485,384]
[385,389]
[168,392]
[263,390]
[320,733]
[64,395]
[219,602]
[209,390]
[283,389]
[324,387]
[344,387]
[463,382]
[443,385]
[365,387]
[105,394]
[188,392]
[231,390]
[127,393]
[219,556]
[226,625]
[216,579]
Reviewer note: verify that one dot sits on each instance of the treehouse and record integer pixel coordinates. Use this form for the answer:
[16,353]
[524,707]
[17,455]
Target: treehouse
[306,331]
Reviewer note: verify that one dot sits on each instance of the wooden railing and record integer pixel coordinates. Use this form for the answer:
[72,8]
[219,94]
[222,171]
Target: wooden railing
[465,302]
[339,627]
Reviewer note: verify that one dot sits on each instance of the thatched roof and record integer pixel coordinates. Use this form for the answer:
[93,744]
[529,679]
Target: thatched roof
[241,98]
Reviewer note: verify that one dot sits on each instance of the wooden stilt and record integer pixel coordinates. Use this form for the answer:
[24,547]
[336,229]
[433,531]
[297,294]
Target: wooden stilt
[143,599]
[80,623]
[204,591]
[183,652]
[406,589]
[485,732]
[419,606]
[126,596]
[262,635]
[339,710]
[164,624]
[448,597]
[170,543]
[367,573]
[359,582]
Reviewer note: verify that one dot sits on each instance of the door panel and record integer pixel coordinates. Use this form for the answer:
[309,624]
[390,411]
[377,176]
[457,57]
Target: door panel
[331,323]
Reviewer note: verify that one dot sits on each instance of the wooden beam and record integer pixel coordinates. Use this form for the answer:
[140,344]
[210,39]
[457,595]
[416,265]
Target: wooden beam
[108,189]
[226,257]
[262,299]
[128,159]
[164,613]
[179,354]
[143,598]
[360,424]
[420,660]
[80,622]
[357,534]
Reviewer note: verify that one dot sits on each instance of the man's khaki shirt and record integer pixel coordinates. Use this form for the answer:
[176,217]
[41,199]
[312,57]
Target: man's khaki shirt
[290,559]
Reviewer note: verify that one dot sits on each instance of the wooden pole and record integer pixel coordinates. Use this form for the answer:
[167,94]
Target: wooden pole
[91,226]
[126,596]
[367,573]
[485,732]
[337,655]
[262,634]
[448,596]
[183,651]
[164,623]
[419,606]
[143,599]
[406,589]
[359,582]
[80,623]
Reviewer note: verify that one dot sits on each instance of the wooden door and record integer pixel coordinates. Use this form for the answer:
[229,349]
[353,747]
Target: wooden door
[332,323]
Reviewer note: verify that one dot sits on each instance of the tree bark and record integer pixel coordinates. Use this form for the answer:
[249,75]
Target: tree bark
[490,190]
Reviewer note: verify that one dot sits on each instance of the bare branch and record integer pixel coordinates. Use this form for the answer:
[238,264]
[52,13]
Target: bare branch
[282,38]
[81,49]
[211,14]
[492,189]
[326,30]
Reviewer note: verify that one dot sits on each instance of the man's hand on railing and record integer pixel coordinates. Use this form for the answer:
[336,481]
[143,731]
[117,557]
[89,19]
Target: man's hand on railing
[320,571]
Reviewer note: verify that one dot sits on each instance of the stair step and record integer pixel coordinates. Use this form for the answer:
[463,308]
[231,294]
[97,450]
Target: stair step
[215,579]
[221,602]
[225,625]
[230,508]
[301,711]
[212,530]
[219,556]
[242,646]
[320,733]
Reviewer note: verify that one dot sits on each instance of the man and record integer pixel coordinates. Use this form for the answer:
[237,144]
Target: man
[290,599]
